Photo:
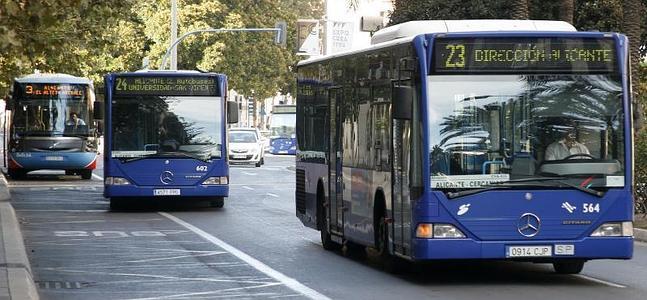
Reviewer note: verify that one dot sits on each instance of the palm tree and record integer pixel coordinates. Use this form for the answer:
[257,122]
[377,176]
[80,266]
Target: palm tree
[519,9]
[566,8]
[632,15]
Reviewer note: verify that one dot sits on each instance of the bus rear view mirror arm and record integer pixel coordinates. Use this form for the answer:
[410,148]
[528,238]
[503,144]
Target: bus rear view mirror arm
[402,101]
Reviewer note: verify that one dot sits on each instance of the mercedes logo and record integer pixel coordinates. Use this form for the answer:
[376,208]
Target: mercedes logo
[166,177]
[528,225]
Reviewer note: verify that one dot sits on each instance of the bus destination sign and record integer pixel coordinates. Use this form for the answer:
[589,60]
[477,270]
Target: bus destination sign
[167,85]
[523,55]
[49,90]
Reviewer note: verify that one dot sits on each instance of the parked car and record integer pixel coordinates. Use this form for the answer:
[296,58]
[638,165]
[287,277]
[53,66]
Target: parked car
[245,147]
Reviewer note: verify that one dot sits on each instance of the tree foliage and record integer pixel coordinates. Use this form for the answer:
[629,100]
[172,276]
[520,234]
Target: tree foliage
[94,37]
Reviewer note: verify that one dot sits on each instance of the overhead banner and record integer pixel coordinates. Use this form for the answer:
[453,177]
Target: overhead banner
[308,37]
[342,36]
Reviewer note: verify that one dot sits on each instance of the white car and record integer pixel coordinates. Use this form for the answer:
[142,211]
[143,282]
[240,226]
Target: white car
[245,147]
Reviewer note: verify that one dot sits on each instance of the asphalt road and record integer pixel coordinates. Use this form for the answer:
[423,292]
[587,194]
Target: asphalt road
[254,247]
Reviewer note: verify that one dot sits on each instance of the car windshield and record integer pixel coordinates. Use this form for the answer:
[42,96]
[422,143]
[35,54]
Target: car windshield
[157,125]
[498,128]
[242,137]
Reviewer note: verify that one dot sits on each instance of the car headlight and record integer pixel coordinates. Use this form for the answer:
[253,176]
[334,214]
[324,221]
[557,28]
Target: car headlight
[438,231]
[614,229]
[116,181]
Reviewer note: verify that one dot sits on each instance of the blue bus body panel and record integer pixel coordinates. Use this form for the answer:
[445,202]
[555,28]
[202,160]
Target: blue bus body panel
[145,174]
[55,160]
[283,146]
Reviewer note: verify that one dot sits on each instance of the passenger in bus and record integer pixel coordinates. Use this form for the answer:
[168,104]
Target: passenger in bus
[567,146]
[74,120]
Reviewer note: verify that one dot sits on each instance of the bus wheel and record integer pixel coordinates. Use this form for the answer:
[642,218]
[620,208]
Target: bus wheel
[16,174]
[85,174]
[390,263]
[326,239]
[217,202]
[117,204]
[568,267]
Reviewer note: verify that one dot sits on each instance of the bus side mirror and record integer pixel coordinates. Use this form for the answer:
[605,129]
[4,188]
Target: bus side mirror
[232,112]
[99,127]
[402,102]
[98,110]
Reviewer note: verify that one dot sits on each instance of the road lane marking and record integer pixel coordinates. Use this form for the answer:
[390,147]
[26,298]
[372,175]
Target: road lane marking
[287,281]
[248,188]
[250,173]
[600,281]
[97,176]
[273,195]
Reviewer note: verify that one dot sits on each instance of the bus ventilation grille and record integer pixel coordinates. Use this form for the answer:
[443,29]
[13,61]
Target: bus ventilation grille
[301,191]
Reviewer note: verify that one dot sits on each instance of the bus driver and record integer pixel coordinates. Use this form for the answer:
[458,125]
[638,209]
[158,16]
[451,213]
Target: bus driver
[566,146]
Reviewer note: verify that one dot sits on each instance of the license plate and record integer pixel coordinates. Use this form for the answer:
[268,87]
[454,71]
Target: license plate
[283,152]
[529,251]
[166,192]
[240,156]
[54,158]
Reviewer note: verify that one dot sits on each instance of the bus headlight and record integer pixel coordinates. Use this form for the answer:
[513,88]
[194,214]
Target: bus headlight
[216,180]
[116,181]
[614,229]
[438,231]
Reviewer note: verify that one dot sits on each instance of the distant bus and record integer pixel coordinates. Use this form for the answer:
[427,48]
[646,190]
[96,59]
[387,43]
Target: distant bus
[50,124]
[457,140]
[166,136]
[282,133]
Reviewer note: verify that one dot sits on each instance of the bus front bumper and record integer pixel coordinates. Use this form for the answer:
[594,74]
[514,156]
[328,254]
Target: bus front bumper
[166,191]
[587,248]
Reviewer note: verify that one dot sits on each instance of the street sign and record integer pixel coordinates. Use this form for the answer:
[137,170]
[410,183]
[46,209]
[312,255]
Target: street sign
[282,33]
[308,37]
[342,36]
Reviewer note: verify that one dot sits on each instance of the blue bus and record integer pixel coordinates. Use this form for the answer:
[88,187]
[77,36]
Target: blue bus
[50,123]
[166,136]
[459,140]
[282,133]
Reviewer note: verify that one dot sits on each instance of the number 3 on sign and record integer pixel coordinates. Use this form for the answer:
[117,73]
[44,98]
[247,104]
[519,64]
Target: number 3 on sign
[456,57]
[591,208]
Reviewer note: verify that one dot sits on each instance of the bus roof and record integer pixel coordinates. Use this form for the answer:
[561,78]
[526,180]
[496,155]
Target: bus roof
[53,78]
[405,32]
[413,28]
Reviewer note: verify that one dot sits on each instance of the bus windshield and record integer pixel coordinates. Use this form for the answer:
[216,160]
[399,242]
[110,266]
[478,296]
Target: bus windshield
[51,109]
[282,125]
[156,126]
[498,128]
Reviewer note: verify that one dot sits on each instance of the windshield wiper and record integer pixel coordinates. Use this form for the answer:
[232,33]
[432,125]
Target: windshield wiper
[524,182]
[181,154]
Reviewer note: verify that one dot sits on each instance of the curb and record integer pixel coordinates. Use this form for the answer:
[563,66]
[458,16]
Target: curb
[19,276]
[640,235]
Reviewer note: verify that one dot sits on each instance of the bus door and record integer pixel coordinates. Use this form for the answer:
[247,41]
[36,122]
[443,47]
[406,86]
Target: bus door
[335,180]
[400,177]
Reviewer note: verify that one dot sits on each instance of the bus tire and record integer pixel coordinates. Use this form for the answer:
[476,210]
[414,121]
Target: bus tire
[568,266]
[390,263]
[117,204]
[217,202]
[85,174]
[326,238]
[16,174]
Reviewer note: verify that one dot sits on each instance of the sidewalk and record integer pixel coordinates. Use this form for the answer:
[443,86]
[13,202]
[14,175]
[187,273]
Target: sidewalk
[16,281]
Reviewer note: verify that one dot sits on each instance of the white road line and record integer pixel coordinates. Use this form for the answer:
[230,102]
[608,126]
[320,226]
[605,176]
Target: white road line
[608,283]
[287,281]
[97,176]
[250,173]
[248,188]
[273,195]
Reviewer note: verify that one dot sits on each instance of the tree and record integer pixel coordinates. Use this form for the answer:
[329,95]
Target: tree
[566,10]
[632,11]
[519,9]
